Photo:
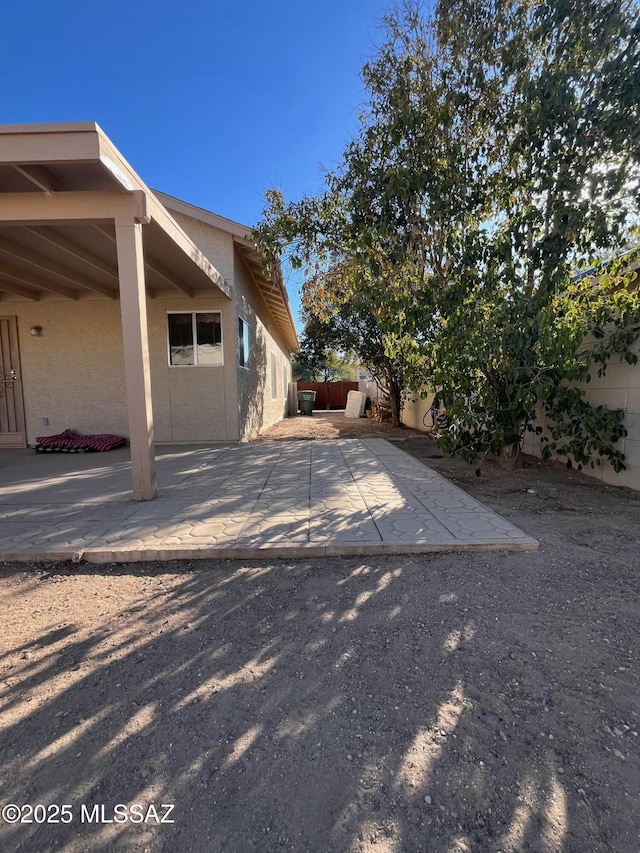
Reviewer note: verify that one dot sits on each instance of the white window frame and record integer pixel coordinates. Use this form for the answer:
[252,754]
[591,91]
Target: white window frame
[194,332]
[285,379]
[241,347]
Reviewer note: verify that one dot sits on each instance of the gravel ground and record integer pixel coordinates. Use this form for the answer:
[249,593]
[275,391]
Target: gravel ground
[463,702]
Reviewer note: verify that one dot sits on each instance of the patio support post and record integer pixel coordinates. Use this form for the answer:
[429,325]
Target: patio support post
[133,311]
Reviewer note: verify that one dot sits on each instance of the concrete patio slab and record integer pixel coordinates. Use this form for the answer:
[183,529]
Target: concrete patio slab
[290,499]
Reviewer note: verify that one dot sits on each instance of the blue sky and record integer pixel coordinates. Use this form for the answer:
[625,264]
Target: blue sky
[211,102]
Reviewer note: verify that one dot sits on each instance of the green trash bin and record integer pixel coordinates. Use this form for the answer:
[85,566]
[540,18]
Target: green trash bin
[306,399]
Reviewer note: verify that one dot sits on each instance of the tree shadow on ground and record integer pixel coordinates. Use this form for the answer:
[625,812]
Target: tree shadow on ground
[361,706]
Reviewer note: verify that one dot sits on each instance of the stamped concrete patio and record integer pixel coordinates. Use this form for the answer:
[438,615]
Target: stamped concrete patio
[298,498]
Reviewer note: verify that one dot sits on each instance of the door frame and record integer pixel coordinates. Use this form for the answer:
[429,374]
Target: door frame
[11,348]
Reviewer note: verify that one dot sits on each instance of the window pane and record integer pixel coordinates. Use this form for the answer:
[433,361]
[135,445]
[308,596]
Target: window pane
[243,343]
[180,338]
[209,333]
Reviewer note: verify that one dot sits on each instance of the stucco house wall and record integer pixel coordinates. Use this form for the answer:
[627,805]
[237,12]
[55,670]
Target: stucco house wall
[262,401]
[73,374]
[215,416]
[191,402]
[215,244]
[251,394]
[78,352]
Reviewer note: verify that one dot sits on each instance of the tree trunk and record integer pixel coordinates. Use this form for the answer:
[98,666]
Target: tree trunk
[511,456]
[395,396]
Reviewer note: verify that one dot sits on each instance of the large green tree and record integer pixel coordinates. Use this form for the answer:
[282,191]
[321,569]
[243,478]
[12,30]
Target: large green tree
[321,357]
[557,87]
[366,242]
[497,154]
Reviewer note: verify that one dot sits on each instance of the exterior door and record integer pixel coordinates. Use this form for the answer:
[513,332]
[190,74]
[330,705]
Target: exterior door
[12,431]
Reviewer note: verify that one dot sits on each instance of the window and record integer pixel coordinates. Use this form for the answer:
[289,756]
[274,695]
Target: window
[195,338]
[285,382]
[243,343]
[274,377]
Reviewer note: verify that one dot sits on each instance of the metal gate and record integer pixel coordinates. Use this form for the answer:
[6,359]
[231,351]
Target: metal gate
[329,395]
[12,431]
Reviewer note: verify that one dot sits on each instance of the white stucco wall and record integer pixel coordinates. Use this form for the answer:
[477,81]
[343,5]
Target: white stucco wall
[619,388]
[415,412]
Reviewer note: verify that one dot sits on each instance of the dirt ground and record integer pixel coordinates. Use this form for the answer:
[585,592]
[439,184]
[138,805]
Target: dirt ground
[332,425]
[454,703]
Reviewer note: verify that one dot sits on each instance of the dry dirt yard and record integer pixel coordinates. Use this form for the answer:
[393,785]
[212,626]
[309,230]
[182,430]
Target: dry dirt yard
[332,424]
[463,702]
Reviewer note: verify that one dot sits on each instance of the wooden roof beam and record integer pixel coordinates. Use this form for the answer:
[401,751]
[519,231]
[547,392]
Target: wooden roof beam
[39,177]
[46,265]
[73,249]
[164,273]
[18,290]
[152,264]
[44,209]
[23,276]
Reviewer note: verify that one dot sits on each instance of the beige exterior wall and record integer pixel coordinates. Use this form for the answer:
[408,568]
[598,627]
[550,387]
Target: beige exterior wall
[618,389]
[262,401]
[415,412]
[249,392]
[73,374]
[192,403]
[201,405]
[215,244]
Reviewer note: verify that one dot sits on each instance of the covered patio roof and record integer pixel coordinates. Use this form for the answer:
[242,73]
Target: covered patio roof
[62,189]
[78,223]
